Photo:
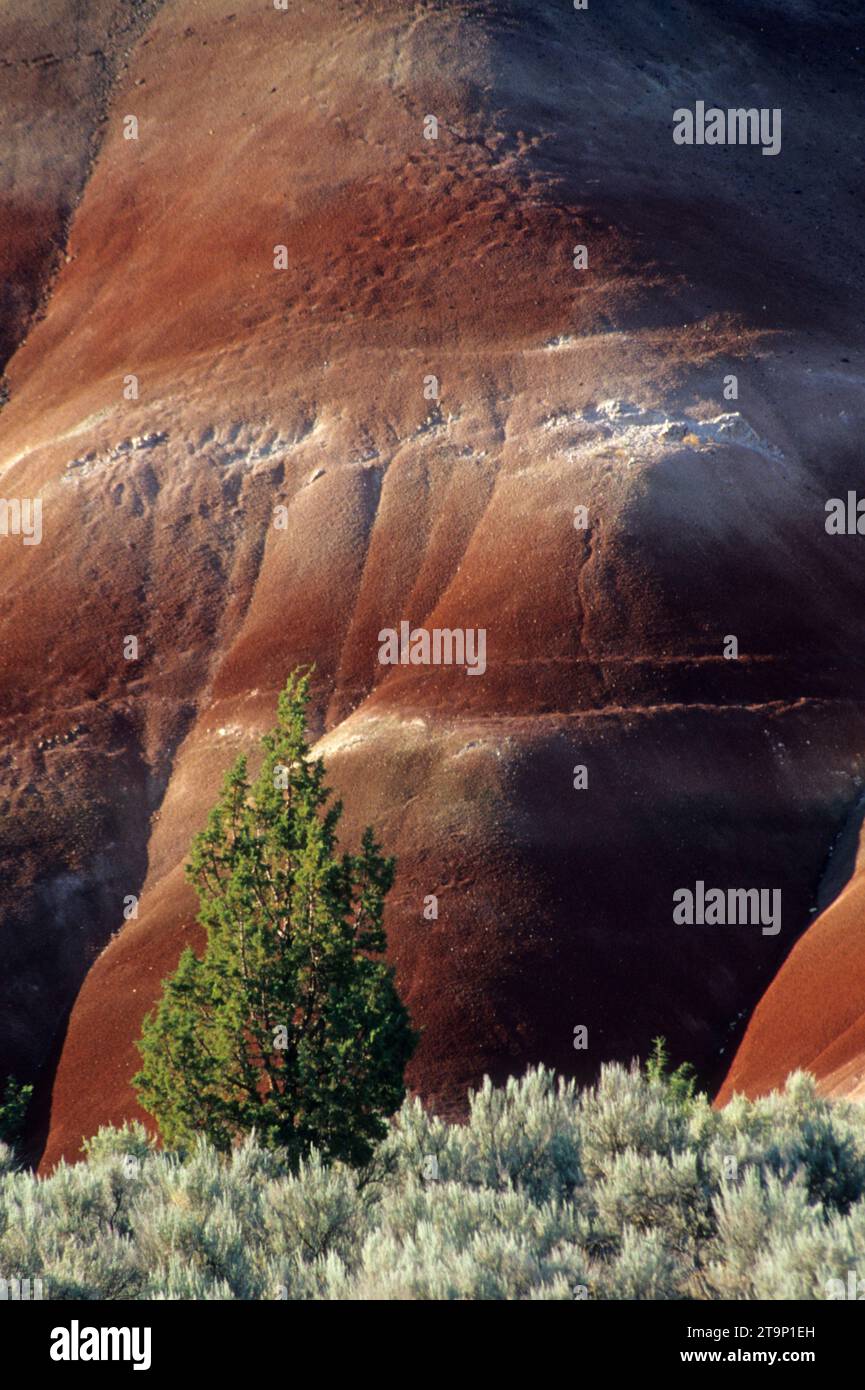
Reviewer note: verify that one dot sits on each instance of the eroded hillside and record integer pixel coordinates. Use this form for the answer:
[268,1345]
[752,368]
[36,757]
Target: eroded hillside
[307,388]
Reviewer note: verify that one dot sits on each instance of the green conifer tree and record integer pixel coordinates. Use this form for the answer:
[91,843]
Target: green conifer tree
[290,1023]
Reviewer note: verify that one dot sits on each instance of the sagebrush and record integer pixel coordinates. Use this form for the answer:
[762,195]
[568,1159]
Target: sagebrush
[633,1189]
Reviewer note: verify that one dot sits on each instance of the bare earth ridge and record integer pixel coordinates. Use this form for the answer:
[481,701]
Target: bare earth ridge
[559,388]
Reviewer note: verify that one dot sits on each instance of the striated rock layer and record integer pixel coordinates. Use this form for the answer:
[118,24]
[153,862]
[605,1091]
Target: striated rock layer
[303,388]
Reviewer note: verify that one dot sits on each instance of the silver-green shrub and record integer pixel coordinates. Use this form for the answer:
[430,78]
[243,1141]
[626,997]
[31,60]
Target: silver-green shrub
[624,1190]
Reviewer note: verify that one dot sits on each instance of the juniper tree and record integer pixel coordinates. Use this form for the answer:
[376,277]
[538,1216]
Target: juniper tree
[681,1083]
[14,1101]
[290,1022]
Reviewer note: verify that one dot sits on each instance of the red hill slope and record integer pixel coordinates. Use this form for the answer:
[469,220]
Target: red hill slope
[559,388]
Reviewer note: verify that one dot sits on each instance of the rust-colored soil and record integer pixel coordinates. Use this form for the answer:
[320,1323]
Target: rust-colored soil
[304,387]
